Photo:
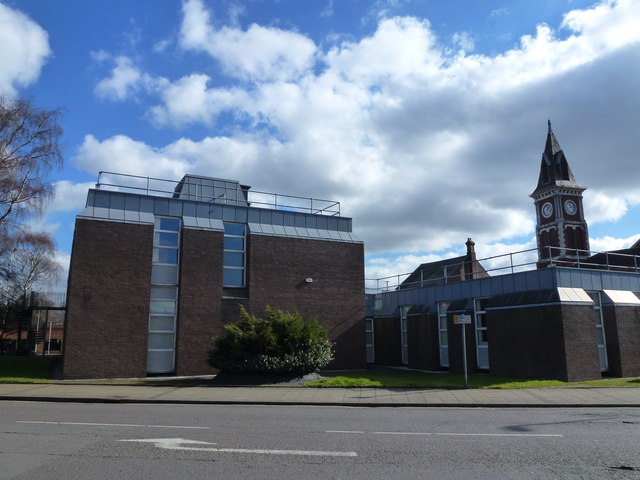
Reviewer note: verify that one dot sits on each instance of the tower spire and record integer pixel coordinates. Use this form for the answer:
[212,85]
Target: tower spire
[561,229]
[554,168]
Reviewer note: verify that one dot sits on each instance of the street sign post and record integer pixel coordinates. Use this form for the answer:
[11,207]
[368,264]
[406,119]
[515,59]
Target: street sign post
[463,320]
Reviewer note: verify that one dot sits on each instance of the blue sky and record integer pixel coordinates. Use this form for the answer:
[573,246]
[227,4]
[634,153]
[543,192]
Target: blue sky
[425,119]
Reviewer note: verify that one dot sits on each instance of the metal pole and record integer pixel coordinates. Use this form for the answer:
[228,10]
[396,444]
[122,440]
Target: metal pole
[464,356]
[44,331]
[49,343]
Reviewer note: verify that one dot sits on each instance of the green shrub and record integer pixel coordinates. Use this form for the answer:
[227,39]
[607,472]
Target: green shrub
[280,342]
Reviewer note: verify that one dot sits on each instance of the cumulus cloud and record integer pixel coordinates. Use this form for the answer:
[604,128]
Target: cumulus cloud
[125,78]
[189,100]
[258,54]
[424,147]
[68,196]
[607,243]
[24,50]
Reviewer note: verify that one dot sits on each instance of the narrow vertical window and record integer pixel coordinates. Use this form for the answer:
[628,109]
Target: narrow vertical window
[234,261]
[482,342]
[163,304]
[602,342]
[443,333]
[404,333]
[370,348]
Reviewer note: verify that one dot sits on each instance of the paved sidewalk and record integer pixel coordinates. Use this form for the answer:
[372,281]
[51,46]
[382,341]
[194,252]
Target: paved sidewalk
[297,395]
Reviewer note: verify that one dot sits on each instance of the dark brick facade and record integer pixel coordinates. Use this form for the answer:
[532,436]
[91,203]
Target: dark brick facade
[109,294]
[108,300]
[387,341]
[199,296]
[423,346]
[556,341]
[552,341]
[277,273]
[622,332]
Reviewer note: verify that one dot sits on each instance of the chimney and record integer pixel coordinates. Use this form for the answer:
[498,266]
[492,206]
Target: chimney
[471,249]
[470,264]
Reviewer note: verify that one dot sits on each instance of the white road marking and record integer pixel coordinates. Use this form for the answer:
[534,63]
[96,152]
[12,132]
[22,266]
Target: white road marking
[344,431]
[451,434]
[499,434]
[91,424]
[199,446]
[401,433]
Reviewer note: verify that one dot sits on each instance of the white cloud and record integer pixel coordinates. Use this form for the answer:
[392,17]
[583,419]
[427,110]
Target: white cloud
[328,10]
[259,53]
[601,207]
[423,148]
[188,101]
[68,196]
[125,79]
[464,41]
[24,48]
[124,155]
[608,243]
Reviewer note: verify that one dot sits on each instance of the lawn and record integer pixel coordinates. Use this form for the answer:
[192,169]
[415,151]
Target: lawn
[25,369]
[447,380]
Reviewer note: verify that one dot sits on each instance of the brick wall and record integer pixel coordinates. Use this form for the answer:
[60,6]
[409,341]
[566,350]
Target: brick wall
[553,341]
[199,316]
[581,342]
[388,350]
[622,333]
[424,349]
[108,300]
[527,342]
[277,272]
[109,291]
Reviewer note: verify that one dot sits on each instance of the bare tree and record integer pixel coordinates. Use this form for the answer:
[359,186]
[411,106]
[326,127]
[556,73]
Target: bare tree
[28,266]
[29,151]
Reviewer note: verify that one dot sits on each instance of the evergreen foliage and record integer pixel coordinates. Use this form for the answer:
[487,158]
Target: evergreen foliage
[279,342]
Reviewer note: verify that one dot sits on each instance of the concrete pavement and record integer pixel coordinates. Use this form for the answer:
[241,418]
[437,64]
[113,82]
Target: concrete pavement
[299,395]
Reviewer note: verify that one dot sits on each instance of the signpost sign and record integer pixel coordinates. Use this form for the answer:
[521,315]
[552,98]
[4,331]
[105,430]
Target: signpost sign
[463,320]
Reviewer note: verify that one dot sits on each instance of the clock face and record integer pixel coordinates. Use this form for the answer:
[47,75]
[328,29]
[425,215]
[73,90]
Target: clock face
[547,210]
[570,207]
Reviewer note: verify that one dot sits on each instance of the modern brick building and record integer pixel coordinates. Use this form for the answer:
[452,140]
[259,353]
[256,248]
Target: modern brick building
[568,314]
[155,275]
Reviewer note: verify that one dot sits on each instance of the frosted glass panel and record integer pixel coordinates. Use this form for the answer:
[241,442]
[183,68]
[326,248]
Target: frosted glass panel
[164,293]
[164,274]
[158,306]
[160,362]
[160,341]
[161,323]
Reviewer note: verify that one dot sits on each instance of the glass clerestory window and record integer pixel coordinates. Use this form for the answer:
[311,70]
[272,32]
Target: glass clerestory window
[234,261]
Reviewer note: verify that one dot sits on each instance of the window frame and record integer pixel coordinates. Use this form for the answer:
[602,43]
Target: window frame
[243,252]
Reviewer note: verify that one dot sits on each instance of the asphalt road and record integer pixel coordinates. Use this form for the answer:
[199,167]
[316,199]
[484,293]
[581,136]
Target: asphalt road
[103,441]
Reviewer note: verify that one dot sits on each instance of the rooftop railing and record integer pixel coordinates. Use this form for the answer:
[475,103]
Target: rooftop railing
[509,263]
[160,187]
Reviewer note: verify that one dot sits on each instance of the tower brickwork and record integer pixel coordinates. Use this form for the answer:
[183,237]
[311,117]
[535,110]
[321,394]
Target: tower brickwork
[561,231]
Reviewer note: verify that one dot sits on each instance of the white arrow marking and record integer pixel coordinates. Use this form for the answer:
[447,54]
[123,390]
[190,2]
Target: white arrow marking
[199,446]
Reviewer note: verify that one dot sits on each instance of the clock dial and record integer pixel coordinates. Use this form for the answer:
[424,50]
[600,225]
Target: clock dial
[547,210]
[570,207]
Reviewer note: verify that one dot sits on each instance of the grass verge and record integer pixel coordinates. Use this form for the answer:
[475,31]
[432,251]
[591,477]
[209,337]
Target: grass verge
[447,380]
[25,369]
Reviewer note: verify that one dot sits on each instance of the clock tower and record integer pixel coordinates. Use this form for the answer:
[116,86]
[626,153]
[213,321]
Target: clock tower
[561,230]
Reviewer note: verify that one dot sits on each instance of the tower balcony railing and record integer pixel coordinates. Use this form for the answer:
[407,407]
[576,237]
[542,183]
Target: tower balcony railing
[509,263]
[160,187]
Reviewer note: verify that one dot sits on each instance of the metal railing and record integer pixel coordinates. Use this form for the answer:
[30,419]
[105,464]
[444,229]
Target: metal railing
[510,263]
[44,300]
[160,187]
